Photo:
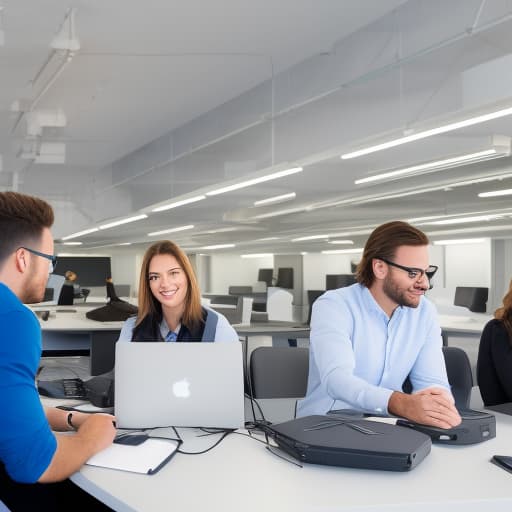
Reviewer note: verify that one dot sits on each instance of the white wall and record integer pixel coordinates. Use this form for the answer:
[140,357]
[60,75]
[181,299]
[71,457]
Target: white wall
[468,264]
[231,270]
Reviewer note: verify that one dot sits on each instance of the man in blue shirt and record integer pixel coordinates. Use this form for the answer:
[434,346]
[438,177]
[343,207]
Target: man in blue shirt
[30,452]
[367,338]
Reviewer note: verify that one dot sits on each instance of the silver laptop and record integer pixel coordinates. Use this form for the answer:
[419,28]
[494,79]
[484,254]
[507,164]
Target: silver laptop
[179,384]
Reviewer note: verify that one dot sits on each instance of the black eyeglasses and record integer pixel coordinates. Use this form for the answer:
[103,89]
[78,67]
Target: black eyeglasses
[51,257]
[413,272]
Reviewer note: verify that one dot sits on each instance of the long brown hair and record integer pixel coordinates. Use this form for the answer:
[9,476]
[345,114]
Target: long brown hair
[504,313]
[149,305]
[383,242]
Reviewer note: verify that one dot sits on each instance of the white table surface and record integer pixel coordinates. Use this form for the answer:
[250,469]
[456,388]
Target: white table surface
[241,475]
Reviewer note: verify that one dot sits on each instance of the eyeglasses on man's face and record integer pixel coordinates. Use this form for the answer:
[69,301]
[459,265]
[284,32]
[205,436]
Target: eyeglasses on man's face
[413,272]
[51,257]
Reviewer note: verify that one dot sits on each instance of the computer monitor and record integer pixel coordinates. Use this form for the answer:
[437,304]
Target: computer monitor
[266,275]
[473,298]
[90,270]
[285,277]
[333,281]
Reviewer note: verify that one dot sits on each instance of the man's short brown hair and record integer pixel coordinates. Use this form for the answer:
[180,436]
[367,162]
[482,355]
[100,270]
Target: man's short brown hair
[383,243]
[22,220]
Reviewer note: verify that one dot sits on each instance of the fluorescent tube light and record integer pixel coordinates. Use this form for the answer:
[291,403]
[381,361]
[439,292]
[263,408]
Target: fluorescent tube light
[220,246]
[80,233]
[464,220]
[123,221]
[254,181]
[496,193]
[262,255]
[460,241]
[341,242]
[435,166]
[71,243]
[276,199]
[312,237]
[429,133]
[178,203]
[171,230]
[343,251]
[268,238]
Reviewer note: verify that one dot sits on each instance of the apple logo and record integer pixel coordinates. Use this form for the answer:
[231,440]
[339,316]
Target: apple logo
[181,388]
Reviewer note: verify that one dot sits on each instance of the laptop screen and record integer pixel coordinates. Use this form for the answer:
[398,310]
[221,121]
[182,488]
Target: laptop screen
[179,384]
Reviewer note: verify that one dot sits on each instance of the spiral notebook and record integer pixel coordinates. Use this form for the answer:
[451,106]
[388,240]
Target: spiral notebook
[147,457]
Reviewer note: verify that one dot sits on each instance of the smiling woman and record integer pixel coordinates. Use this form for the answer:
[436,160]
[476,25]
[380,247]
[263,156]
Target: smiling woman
[170,302]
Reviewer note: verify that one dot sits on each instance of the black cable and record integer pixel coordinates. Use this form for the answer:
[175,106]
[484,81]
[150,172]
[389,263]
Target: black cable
[222,437]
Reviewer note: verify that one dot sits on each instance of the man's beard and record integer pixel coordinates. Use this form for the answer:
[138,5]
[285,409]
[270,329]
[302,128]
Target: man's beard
[34,289]
[398,295]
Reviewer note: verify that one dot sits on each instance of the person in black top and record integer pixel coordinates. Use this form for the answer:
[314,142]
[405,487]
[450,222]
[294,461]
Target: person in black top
[494,364]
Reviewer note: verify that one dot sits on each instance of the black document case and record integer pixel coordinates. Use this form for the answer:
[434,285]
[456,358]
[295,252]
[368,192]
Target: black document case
[351,442]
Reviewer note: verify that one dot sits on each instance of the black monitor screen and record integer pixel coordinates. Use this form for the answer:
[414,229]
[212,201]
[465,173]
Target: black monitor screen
[266,275]
[90,270]
[473,298]
[285,277]
[333,281]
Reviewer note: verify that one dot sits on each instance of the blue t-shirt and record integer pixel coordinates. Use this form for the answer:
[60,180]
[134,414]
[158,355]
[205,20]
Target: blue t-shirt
[27,444]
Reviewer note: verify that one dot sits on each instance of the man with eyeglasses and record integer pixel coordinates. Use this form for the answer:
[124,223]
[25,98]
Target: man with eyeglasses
[35,460]
[366,339]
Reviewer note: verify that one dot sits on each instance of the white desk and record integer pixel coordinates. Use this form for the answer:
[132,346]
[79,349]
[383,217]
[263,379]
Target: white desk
[467,326]
[240,474]
[68,330]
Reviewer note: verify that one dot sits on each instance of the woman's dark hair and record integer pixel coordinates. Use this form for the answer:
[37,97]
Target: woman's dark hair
[504,313]
[383,243]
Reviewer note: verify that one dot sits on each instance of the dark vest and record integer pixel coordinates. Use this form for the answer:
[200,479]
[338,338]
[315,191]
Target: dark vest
[149,329]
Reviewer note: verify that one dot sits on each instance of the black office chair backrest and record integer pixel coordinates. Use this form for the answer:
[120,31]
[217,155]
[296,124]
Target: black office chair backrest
[312,296]
[460,378]
[458,369]
[279,372]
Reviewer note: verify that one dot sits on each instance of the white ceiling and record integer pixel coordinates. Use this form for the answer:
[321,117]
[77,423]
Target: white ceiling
[170,99]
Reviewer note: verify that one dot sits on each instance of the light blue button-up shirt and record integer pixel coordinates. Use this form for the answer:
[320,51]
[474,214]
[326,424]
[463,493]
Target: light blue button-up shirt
[359,356]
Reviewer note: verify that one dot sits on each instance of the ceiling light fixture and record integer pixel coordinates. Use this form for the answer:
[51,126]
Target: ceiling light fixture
[438,165]
[496,193]
[172,230]
[343,251]
[460,241]
[465,220]
[276,199]
[220,246]
[311,237]
[80,233]
[470,231]
[178,203]
[341,242]
[72,243]
[123,221]
[262,255]
[412,191]
[429,133]
[254,181]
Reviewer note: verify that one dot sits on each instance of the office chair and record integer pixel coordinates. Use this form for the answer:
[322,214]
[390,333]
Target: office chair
[279,372]
[312,296]
[460,378]
[67,295]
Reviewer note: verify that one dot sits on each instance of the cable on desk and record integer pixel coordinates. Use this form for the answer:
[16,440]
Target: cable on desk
[225,433]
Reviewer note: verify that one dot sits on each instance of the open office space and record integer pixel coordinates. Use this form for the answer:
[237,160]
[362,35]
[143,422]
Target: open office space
[268,140]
